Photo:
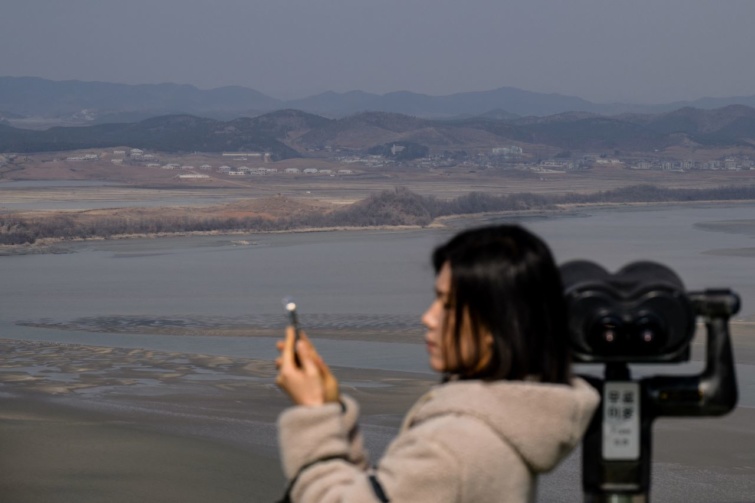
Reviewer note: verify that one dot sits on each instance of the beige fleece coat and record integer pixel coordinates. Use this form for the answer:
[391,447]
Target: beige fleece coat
[464,441]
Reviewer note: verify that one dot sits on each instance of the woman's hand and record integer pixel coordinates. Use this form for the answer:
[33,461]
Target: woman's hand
[311,382]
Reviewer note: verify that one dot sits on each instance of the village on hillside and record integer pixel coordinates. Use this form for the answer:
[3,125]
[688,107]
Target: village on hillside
[342,162]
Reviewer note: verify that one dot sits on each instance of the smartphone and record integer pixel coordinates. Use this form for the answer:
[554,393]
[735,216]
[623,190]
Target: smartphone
[290,306]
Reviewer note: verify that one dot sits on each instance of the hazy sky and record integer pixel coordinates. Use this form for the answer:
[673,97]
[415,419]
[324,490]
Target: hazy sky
[642,51]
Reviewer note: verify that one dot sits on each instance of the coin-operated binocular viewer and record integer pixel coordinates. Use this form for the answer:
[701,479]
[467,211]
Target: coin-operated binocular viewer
[642,314]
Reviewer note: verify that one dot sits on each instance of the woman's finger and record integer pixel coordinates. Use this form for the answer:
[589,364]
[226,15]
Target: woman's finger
[304,350]
[287,355]
[312,348]
[321,365]
[308,359]
[324,368]
[305,341]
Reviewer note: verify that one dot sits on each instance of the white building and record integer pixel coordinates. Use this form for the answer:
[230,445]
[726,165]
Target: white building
[510,150]
[242,154]
[193,176]
[607,161]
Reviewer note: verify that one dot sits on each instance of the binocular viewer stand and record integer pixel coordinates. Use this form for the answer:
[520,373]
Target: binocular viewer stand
[617,448]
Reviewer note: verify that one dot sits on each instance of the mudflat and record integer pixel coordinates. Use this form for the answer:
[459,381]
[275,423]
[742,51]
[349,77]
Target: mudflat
[54,453]
[84,423]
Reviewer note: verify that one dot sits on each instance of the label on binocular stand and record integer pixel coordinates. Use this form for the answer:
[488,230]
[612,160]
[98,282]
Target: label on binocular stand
[621,420]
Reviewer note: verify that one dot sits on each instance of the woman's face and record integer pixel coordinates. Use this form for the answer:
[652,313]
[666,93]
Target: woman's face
[439,319]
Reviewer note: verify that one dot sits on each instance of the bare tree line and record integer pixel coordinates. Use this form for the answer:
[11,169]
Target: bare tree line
[399,206]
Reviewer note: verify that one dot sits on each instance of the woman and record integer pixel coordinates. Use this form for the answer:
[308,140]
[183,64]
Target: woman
[507,409]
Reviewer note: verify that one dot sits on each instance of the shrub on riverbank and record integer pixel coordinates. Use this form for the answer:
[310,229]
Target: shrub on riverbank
[399,206]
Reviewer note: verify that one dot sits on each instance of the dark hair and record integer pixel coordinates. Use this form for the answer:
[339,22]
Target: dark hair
[505,282]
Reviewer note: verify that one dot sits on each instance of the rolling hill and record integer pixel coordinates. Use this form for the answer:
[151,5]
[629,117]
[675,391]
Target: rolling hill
[291,133]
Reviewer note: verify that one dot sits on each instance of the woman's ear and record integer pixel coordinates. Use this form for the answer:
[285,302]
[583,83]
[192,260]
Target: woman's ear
[487,341]
[486,350]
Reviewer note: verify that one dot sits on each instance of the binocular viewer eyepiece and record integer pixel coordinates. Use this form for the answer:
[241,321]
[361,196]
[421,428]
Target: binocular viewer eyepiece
[640,314]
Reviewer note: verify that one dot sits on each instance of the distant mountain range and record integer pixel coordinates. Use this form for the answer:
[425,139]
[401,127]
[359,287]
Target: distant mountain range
[293,133]
[101,102]
[171,133]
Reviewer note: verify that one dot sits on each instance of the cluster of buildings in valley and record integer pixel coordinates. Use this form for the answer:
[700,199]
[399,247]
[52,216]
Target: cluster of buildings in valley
[728,163]
[367,161]
[246,171]
[229,165]
[589,161]
[515,158]
[507,157]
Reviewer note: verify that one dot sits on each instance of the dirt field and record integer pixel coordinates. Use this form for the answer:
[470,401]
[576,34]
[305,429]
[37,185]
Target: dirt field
[151,185]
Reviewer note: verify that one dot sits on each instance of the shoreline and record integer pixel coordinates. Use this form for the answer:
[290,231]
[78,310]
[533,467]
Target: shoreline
[48,245]
[197,440]
[56,245]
